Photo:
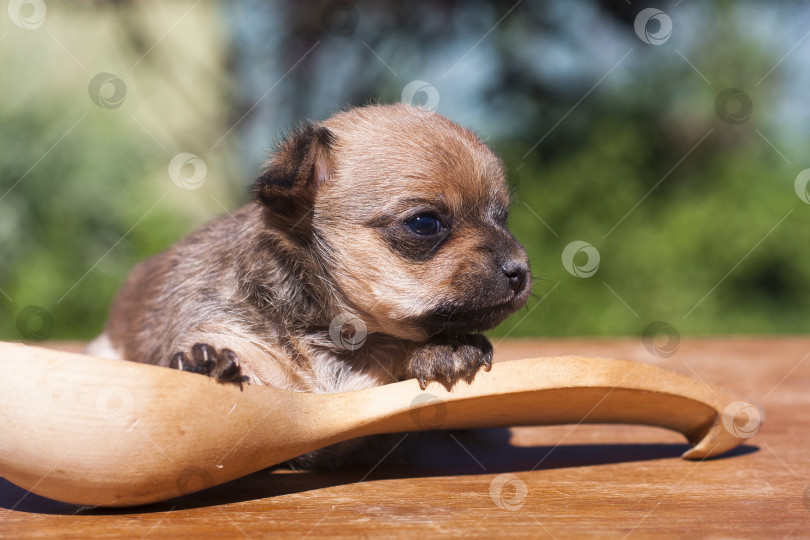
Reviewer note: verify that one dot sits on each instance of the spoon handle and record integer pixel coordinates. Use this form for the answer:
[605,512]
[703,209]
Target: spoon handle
[569,390]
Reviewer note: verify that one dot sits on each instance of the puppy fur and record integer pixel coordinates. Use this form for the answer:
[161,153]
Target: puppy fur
[283,291]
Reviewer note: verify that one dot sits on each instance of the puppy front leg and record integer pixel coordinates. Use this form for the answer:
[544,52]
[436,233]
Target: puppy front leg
[231,357]
[447,359]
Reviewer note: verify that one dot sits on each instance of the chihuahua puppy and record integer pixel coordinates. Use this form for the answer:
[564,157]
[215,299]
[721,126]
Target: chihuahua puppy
[375,249]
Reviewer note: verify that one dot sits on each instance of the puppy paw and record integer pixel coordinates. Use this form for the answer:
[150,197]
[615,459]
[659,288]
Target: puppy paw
[205,360]
[448,359]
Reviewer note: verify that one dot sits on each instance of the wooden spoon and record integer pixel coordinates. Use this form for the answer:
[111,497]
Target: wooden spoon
[91,431]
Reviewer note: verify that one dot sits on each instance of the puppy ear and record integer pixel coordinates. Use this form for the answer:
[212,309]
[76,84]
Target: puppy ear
[290,178]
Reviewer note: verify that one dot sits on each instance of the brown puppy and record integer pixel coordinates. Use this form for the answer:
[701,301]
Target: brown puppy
[375,249]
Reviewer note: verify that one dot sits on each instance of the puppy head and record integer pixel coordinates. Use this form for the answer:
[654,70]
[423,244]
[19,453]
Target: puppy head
[405,212]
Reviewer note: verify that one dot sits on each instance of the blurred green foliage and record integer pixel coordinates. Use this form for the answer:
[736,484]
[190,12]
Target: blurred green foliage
[695,220]
[85,191]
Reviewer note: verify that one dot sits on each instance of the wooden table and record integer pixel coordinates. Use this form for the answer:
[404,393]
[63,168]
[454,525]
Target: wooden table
[555,482]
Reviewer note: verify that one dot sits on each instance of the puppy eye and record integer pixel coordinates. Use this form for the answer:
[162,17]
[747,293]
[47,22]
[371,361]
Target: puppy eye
[424,224]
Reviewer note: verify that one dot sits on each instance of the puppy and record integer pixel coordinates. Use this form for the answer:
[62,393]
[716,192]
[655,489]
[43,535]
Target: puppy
[375,249]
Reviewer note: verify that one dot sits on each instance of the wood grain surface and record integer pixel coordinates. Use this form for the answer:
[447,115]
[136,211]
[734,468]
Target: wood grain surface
[553,482]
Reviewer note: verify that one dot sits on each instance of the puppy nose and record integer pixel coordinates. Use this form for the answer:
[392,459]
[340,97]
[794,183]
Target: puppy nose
[515,272]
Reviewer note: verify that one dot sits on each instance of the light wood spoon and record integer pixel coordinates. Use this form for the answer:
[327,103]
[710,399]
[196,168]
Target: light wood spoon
[90,431]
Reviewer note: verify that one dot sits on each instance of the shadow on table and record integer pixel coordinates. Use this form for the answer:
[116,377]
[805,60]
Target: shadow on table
[433,454]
